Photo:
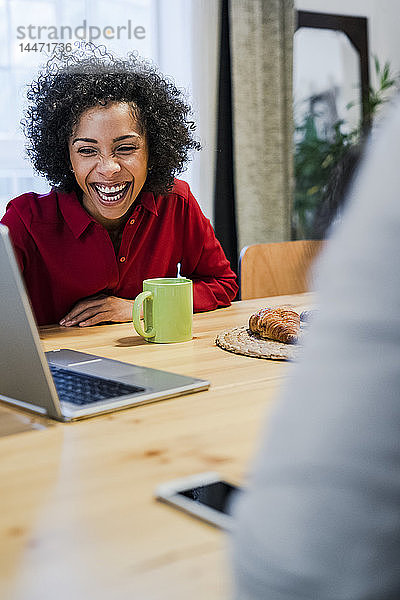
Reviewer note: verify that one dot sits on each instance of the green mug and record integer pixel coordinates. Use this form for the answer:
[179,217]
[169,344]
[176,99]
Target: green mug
[167,310]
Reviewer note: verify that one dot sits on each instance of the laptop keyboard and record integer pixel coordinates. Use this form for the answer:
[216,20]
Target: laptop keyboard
[82,389]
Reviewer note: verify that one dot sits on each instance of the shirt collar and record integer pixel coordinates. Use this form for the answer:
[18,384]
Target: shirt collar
[78,220]
[76,217]
[148,201]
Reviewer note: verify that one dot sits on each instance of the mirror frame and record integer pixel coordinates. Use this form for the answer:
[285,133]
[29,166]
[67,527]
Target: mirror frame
[356,29]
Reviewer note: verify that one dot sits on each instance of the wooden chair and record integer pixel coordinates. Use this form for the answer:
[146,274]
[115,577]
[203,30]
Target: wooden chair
[276,269]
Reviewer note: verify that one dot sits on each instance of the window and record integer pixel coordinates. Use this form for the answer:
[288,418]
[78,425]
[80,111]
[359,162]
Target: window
[181,37]
[28,26]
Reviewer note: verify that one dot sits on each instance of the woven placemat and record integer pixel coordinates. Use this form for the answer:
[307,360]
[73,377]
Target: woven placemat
[241,340]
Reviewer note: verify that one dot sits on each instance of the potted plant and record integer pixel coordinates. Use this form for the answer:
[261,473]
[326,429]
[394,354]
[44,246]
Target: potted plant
[316,156]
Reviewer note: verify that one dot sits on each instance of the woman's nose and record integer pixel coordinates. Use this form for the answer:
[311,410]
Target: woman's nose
[108,166]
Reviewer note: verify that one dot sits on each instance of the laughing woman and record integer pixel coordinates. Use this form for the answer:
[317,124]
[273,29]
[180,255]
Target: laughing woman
[110,135]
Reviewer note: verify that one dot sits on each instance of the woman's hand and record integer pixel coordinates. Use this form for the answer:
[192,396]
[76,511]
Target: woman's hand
[98,309]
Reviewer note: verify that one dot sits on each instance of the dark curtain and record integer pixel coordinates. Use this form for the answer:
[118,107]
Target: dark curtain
[224,197]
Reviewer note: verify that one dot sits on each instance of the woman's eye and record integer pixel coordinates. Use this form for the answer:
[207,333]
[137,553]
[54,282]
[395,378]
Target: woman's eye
[126,148]
[86,151]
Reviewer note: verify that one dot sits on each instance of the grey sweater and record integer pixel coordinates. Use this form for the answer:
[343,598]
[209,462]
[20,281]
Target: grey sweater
[321,518]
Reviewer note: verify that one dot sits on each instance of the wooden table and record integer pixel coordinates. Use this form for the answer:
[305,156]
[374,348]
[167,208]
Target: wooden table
[78,519]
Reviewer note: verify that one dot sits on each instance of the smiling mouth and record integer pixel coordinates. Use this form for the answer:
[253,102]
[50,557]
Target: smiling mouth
[110,194]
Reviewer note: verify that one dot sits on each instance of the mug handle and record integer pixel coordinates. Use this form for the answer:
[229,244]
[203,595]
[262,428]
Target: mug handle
[137,305]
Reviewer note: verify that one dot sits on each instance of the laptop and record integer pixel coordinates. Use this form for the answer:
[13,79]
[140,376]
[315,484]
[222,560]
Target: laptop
[65,384]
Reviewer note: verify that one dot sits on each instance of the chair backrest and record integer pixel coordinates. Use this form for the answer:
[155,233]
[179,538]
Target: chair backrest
[276,269]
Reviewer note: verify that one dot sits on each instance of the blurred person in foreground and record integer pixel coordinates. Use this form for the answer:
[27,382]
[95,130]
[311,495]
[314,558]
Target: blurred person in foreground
[321,515]
[110,134]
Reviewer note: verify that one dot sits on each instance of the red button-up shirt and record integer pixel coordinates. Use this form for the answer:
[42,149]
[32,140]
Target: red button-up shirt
[66,255]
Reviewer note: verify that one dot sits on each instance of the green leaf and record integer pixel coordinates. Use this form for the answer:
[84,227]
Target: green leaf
[386,71]
[387,84]
[377,65]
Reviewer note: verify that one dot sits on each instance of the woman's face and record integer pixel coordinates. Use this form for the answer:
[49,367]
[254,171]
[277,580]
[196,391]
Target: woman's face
[109,155]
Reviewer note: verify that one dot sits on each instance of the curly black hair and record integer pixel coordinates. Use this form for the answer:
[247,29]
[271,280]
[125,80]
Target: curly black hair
[72,82]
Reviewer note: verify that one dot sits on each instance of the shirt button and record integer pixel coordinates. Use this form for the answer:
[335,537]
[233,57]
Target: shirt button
[131,222]
[122,259]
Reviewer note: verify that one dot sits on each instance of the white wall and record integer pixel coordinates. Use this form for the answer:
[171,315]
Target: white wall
[189,53]
[383,24]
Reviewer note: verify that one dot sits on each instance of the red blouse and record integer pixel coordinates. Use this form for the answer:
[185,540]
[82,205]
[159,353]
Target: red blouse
[65,255]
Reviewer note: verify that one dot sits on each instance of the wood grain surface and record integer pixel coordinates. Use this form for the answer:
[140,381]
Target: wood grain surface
[78,519]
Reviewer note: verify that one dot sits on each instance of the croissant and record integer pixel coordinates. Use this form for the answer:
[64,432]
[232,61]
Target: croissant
[278,324]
